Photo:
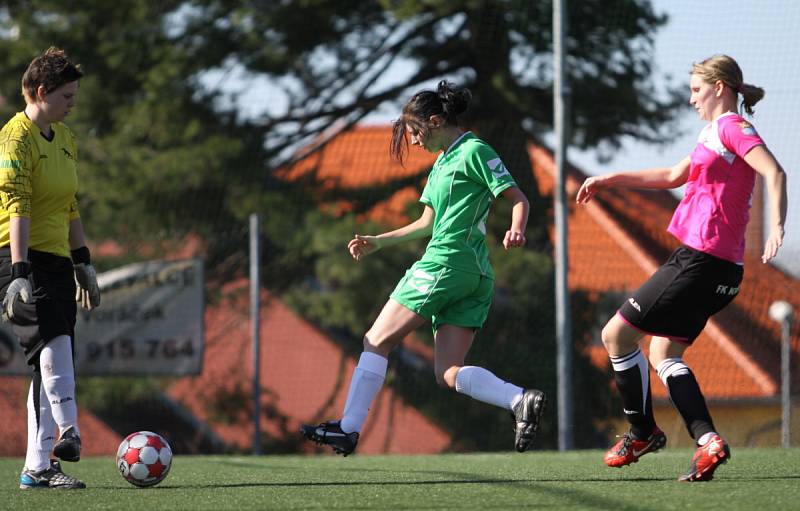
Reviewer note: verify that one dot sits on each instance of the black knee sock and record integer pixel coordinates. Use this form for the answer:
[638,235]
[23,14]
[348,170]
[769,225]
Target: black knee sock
[633,381]
[685,394]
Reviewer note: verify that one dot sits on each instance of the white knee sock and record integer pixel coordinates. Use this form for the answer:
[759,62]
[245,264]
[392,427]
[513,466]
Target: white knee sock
[41,435]
[367,380]
[480,384]
[58,381]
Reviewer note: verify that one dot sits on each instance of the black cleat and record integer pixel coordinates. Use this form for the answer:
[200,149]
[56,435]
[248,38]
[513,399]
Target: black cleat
[527,415]
[330,433]
[68,447]
[50,477]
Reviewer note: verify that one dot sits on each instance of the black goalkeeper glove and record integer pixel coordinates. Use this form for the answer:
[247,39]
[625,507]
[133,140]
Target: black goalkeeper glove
[87,292]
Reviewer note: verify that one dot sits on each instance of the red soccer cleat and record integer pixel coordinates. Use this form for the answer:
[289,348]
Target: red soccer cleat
[706,459]
[629,449]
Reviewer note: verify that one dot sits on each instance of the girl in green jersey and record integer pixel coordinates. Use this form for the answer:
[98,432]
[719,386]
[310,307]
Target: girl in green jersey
[452,284]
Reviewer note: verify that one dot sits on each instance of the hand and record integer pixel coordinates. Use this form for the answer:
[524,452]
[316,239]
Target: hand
[773,243]
[361,246]
[88,292]
[513,239]
[19,289]
[589,188]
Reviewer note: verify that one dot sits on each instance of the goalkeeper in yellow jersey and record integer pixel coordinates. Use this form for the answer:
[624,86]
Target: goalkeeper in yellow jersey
[43,255]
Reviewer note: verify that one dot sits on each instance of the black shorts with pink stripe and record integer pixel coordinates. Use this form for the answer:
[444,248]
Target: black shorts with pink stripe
[678,299]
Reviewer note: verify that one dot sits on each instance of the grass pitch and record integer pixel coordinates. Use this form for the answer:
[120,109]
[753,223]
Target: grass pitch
[753,479]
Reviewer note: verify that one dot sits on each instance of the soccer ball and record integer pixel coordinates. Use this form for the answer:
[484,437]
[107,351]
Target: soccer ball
[144,458]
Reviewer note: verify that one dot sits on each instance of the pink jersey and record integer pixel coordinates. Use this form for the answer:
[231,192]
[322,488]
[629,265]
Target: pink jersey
[713,214]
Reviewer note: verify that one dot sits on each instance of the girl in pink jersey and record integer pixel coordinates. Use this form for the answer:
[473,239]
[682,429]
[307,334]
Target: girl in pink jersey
[700,277]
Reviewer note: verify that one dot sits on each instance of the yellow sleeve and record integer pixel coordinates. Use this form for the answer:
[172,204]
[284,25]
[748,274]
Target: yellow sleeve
[74,212]
[16,168]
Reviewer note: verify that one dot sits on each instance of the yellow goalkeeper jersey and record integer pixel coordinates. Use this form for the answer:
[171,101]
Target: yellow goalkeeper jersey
[38,180]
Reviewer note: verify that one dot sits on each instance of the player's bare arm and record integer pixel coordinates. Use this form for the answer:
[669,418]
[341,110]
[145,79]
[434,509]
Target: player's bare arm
[655,178]
[763,162]
[362,245]
[515,235]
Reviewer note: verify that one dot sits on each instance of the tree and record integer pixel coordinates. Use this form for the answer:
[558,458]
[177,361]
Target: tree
[158,159]
[165,152]
[332,54]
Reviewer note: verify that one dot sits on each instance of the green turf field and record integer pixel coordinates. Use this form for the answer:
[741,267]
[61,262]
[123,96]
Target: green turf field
[765,479]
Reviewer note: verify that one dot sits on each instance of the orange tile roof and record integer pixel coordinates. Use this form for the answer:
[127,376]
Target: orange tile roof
[360,158]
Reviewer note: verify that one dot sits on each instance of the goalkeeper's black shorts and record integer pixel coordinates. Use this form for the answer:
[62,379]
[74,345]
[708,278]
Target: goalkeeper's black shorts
[54,311]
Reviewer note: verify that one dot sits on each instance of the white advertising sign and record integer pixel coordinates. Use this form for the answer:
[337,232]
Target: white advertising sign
[150,322]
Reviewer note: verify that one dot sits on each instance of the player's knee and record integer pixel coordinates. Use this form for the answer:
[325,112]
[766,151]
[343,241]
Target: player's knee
[376,342]
[610,338]
[446,377]
[656,358]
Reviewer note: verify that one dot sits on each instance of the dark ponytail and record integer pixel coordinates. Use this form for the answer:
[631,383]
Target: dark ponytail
[448,101]
[454,101]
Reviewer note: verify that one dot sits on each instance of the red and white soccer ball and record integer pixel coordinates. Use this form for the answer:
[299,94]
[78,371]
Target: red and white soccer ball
[144,458]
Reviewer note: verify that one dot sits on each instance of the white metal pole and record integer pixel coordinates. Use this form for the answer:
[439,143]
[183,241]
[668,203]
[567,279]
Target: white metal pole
[783,313]
[563,330]
[255,324]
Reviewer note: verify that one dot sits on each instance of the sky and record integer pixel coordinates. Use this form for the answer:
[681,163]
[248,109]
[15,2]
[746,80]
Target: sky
[763,38]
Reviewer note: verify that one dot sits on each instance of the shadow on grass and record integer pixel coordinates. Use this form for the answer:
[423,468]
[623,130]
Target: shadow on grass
[535,487]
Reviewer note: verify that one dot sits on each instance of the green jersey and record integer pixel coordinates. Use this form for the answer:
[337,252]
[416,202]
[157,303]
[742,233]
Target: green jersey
[461,186]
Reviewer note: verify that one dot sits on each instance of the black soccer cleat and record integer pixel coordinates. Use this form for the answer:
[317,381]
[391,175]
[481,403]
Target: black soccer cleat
[68,447]
[51,477]
[527,414]
[330,433]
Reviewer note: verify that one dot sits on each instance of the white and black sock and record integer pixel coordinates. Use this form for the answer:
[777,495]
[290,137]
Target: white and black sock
[632,376]
[685,394]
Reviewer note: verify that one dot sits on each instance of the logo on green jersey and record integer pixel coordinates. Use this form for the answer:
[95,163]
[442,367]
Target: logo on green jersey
[497,167]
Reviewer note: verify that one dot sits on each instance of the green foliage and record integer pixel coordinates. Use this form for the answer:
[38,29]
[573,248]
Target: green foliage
[113,395]
[344,294]
[158,159]
[165,152]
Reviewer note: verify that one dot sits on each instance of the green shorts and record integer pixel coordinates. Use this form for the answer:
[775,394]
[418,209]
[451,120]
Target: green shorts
[445,296]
